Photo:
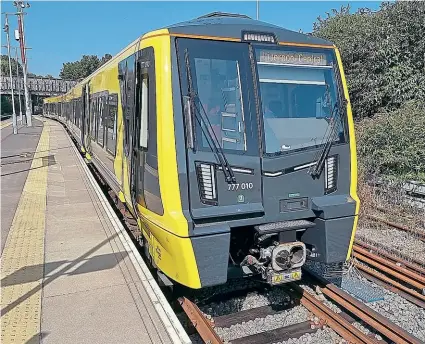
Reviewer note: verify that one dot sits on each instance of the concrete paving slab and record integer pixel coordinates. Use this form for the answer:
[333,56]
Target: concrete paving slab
[118,322]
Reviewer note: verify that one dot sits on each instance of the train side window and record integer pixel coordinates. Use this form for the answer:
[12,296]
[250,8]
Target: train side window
[111,123]
[93,117]
[80,113]
[127,81]
[144,107]
[100,116]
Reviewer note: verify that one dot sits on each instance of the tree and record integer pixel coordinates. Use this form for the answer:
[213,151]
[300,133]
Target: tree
[82,68]
[382,52]
[5,66]
[105,59]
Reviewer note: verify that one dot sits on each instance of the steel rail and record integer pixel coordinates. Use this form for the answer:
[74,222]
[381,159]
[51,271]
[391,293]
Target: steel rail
[420,234]
[390,268]
[415,266]
[199,321]
[335,321]
[365,313]
[394,286]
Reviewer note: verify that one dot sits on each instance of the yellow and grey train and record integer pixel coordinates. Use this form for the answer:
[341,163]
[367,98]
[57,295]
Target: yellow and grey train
[231,141]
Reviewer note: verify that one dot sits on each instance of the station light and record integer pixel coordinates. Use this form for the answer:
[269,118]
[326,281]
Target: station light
[260,37]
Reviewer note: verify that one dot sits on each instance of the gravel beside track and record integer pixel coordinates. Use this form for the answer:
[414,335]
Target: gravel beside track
[325,336]
[395,239]
[251,300]
[292,316]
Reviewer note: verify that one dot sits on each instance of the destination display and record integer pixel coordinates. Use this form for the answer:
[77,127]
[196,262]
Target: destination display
[292,57]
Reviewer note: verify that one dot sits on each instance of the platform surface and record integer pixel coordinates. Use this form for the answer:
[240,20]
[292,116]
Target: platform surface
[68,276]
[16,158]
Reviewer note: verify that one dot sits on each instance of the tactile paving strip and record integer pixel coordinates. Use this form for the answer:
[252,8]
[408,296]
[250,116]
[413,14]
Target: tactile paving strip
[23,256]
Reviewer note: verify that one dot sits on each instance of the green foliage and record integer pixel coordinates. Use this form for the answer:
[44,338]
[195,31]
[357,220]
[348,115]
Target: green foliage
[393,143]
[4,64]
[383,53]
[6,105]
[83,68]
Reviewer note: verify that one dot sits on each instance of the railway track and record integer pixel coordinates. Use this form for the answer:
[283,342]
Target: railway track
[416,232]
[341,323]
[391,272]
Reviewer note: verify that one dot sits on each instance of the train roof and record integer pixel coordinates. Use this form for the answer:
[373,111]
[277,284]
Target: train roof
[219,25]
[229,25]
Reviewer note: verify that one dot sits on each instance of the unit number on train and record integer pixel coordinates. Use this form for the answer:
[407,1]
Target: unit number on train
[240,186]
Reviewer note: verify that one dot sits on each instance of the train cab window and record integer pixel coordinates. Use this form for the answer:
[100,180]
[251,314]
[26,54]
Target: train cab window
[144,107]
[219,90]
[221,77]
[111,123]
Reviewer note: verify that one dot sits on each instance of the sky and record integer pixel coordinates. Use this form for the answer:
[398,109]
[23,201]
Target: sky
[63,31]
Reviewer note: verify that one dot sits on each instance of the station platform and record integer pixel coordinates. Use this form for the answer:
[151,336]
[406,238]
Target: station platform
[69,271]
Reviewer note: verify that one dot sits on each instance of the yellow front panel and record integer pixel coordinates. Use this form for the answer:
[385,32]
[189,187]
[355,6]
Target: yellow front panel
[353,152]
[172,252]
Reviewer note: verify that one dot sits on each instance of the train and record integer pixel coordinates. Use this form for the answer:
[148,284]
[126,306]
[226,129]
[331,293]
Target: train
[231,142]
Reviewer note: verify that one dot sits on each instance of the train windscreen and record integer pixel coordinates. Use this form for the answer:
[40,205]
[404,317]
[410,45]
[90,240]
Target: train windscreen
[299,97]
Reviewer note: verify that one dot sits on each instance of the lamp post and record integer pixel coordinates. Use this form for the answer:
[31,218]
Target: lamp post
[14,122]
[20,5]
[18,81]
[258,9]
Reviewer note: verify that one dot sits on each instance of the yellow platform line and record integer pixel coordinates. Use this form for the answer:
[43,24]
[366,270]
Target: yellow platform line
[23,256]
[4,125]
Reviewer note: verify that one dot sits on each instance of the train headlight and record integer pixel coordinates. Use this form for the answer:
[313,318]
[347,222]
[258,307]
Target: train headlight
[331,174]
[207,183]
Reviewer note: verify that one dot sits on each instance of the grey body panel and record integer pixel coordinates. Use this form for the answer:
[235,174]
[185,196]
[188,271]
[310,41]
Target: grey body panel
[302,184]
[329,207]
[331,238]
[227,199]
[212,255]
[232,27]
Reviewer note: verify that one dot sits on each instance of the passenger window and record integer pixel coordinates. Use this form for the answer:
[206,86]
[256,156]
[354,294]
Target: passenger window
[144,106]
[100,120]
[92,117]
[111,120]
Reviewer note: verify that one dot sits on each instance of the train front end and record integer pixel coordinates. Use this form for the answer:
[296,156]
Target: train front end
[269,178]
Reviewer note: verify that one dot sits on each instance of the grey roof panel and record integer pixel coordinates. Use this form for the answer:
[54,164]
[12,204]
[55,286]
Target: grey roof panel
[231,26]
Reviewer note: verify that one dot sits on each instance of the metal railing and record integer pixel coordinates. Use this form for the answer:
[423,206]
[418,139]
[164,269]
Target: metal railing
[37,86]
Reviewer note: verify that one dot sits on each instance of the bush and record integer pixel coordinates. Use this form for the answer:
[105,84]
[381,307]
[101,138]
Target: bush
[393,143]
[382,52]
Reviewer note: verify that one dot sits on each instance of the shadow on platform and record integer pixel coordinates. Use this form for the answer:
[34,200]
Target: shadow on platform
[52,271]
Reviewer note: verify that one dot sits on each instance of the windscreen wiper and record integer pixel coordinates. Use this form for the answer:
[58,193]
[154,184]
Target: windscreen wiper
[330,134]
[209,133]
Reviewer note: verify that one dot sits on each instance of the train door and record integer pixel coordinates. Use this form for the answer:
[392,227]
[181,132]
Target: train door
[145,178]
[138,98]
